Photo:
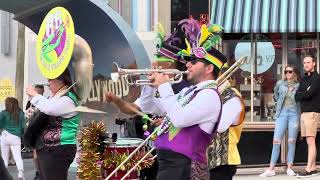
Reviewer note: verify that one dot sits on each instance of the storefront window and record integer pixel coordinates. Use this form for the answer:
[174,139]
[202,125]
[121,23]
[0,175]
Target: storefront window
[269,61]
[240,79]
[264,69]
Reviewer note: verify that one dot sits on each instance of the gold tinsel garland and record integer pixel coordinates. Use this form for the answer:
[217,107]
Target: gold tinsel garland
[92,160]
[113,160]
[90,157]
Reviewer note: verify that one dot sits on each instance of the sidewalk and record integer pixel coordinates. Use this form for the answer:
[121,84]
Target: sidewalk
[253,174]
[278,177]
[30,171]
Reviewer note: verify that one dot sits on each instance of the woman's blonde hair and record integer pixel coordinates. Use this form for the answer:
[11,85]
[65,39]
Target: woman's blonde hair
[296,73]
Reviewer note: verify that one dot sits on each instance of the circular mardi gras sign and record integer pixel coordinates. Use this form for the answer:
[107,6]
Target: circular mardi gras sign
[6,89]
[55,42]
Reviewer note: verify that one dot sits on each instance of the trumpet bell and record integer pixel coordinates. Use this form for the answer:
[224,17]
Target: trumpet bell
[115,75]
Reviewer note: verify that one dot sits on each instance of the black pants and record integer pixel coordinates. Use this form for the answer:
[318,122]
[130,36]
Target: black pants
[54,162]
[173,165]
[4,173]
[225,172]
[150,173]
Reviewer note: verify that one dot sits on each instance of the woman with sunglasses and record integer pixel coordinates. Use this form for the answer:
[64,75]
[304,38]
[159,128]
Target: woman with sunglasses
[287,118]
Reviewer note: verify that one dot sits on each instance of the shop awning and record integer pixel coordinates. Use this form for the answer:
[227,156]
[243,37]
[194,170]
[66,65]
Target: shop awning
[266,16]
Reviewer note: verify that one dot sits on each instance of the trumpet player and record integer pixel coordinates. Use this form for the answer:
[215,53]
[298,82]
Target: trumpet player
[166,58]
[194,114]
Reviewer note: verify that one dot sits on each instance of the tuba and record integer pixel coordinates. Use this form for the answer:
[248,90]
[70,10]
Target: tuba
[83,67]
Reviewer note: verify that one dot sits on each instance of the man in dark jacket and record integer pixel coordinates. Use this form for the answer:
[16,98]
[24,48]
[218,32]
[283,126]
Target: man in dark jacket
[308,94]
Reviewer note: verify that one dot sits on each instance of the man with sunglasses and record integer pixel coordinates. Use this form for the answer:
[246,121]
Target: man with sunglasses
[308,94]
[148,102]
[192,115]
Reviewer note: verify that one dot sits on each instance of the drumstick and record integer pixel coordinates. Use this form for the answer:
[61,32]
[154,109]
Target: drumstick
[143,115]
[133,109]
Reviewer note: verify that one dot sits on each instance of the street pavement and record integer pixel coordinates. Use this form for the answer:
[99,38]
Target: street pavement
[277,177]
[30,172]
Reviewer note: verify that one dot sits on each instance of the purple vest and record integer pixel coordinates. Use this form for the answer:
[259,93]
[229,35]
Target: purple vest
[190,141]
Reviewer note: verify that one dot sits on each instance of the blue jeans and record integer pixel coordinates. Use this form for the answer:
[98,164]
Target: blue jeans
[287,119]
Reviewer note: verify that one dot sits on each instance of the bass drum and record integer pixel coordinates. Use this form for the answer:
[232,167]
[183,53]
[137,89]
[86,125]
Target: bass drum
[122,147]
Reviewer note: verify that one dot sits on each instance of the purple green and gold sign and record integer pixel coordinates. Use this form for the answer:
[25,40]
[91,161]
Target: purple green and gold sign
[55,42]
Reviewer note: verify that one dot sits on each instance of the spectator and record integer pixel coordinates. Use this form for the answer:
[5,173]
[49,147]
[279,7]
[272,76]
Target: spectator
[12,120]
[308,95]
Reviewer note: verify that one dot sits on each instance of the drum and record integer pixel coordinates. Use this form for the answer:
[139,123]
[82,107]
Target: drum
[121,147]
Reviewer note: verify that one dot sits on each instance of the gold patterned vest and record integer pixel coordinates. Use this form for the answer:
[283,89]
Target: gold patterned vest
[223,149]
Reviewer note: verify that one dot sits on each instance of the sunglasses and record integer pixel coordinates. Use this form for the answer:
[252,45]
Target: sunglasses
[194,61]
[288,71]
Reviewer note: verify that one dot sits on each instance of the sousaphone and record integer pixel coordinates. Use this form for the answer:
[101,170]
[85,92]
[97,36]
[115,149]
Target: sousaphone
[59,48]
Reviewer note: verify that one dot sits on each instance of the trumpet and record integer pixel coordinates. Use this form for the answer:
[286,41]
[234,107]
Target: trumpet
[129,75]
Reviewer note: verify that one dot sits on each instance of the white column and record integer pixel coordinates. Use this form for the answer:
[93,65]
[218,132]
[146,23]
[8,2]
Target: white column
[142,15]
[155,12]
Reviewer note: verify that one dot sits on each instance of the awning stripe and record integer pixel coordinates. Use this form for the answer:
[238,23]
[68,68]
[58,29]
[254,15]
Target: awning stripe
[220,12]
[301,15]
[256,14]
[246,15]
[275,15]
[318,15]
[229,14]
[213,10]
[311,15]
[237,17]
[266,15]
[283,15]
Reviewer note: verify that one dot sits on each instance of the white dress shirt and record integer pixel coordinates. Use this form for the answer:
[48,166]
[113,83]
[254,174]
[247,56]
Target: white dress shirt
[204,109]
[148,103]
[231,111]
[54,106]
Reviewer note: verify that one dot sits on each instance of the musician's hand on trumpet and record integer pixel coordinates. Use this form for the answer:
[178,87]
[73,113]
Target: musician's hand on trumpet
[159,78]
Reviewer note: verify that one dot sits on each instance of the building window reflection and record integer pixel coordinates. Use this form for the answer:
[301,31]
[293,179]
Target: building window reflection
[300,45]
[264,69]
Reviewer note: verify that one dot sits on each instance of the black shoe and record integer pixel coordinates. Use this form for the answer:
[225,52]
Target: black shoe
[306,174]
[37,176]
